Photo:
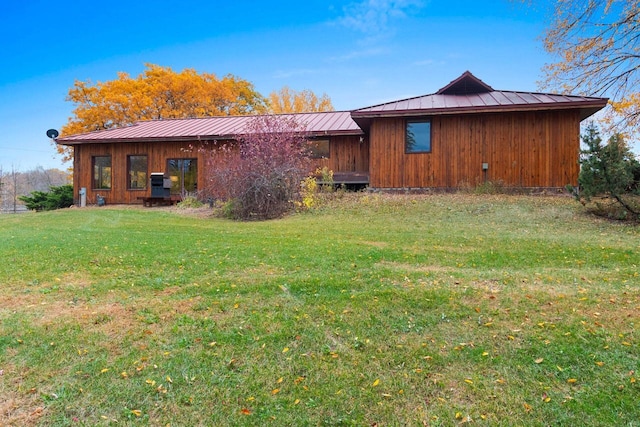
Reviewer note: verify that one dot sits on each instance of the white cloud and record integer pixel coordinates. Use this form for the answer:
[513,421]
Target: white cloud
[364,53]
[375,16]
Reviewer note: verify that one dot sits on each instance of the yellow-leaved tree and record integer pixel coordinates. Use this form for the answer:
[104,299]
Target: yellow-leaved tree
[597,46]
[287,100]
[157,93]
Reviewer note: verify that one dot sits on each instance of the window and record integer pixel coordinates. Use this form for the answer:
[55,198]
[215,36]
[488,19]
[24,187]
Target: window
[319,148]
[183,174]
[418,136]
[137,166]
[102,173]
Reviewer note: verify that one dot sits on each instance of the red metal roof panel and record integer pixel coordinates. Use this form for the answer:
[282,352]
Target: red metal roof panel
[321,123]
[477,102]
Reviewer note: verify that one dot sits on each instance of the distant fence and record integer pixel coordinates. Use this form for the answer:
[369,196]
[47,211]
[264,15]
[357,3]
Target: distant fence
[18,209]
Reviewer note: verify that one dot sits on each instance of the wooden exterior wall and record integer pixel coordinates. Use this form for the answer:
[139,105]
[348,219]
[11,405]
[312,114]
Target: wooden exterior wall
[347,154]
[532,149]
[157,154]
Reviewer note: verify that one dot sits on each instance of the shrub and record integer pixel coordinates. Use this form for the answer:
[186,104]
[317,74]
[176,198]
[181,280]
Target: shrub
[190,201]
[308,192]
[609,170]
[489,187]
[260,175]
[56,198]
[326,179]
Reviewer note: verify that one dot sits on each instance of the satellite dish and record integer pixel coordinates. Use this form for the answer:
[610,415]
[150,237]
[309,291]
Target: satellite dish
[52,133]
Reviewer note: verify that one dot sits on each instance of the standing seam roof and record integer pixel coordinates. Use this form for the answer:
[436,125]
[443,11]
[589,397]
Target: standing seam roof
[321,123]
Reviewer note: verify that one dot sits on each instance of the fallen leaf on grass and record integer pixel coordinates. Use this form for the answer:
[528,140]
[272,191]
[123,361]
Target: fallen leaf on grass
[275,391]
[375,383]
[245,411]
[572,380]
[539,360]
[136,412]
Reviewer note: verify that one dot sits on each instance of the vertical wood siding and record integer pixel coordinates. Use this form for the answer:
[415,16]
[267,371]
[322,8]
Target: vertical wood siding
[347,154]
[532,149]
[157,155]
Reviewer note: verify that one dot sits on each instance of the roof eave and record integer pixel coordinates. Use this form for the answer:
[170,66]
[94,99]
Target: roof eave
[586,107]
[72,142]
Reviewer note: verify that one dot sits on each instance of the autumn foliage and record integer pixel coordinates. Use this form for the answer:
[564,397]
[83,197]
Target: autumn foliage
[287,100]
[597,49]
[161,93]
[158,93]
[259,176]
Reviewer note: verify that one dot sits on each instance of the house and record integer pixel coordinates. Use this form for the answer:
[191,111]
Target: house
[464,134]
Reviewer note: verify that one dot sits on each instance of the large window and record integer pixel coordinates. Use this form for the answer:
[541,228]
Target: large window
[319,148]
[137,166]
[418,136]
[183,174]
[102,173]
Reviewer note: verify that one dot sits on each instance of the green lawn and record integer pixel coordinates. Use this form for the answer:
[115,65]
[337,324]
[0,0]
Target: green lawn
[373,310]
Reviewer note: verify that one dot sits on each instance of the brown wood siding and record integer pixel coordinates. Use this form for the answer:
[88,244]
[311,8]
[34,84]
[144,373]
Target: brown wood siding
[347,154]
[157,155]
[533,149]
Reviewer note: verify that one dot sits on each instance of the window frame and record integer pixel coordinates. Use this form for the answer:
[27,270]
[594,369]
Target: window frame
[420,150]
[179,188]
[129,173]
[313,154]
[99,171]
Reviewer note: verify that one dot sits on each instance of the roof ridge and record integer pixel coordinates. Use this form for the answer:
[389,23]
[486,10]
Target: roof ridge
[241,116]
[466,81]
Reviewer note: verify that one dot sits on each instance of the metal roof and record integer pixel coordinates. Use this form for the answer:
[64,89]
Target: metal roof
[207,128]
[468,94]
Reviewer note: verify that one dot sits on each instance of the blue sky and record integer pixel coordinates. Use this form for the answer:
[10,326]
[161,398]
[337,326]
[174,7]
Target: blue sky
[360,52]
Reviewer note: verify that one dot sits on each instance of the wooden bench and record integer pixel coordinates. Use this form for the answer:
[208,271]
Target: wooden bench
[160,201]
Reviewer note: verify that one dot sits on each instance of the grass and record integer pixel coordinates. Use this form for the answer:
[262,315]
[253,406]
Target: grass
[372,310]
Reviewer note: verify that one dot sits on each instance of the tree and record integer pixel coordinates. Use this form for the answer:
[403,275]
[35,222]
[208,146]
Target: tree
[157,93]
[260,176]
[56,198]
[287,100]
[610,169]
[597,43]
